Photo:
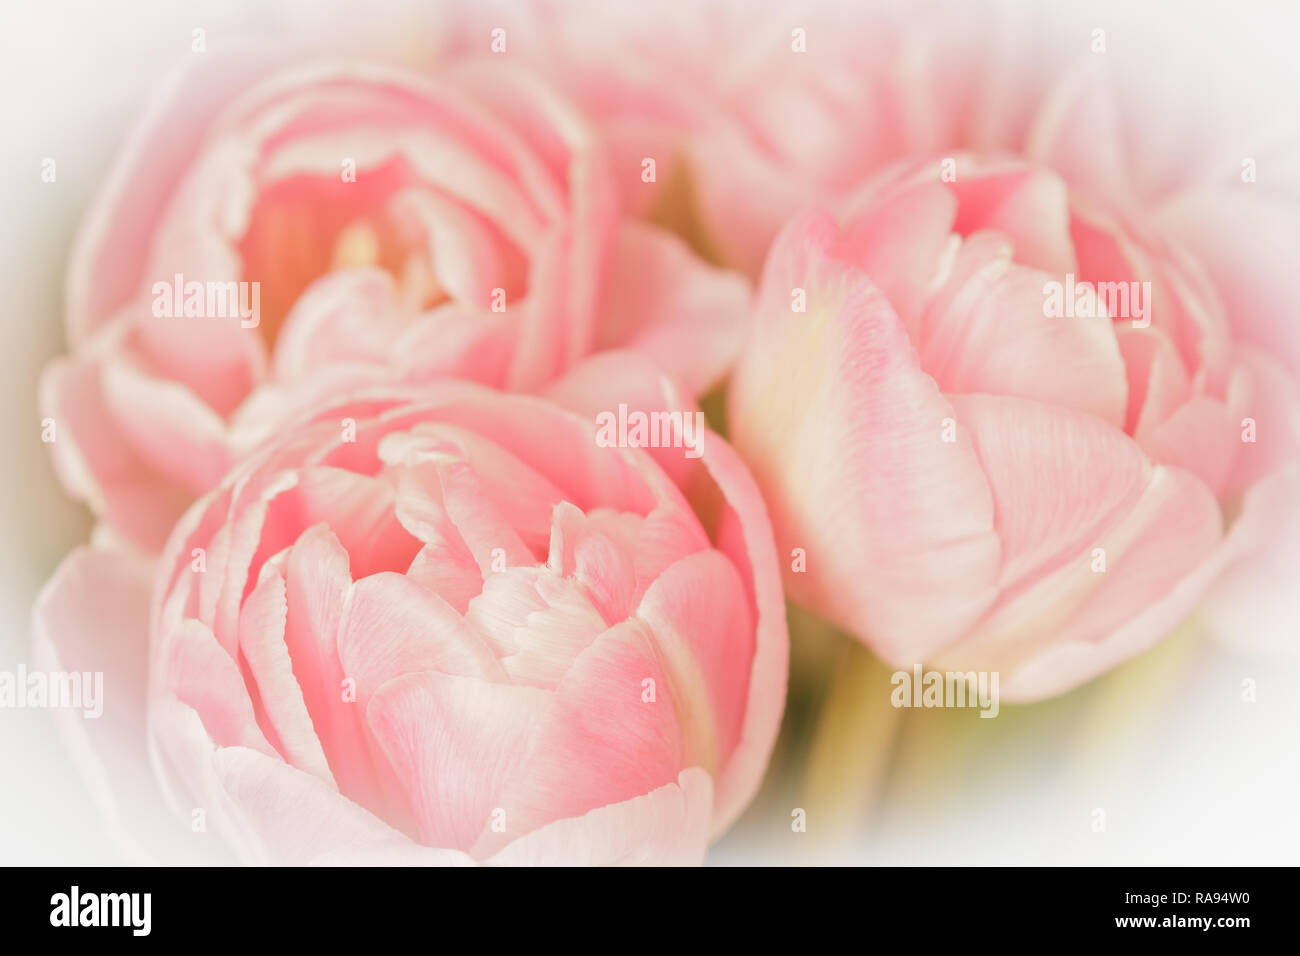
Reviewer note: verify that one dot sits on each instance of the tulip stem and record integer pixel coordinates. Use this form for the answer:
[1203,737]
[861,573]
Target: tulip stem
[851,746]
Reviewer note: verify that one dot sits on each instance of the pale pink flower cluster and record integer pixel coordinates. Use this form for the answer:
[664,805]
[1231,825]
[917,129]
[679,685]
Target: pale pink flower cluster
[367,585]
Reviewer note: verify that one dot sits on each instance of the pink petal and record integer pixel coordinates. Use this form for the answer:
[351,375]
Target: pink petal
[1059,478]
[1202,436]
[357,508]
[1027,203]
[743,196]
[174,433]
[469,258]
[481,522]
[109,257]
[1078,132]
[698,612]
[1076,623]
[900,544]
[293,818]
[555,443]
[457,341]
[93,616]
[659,298]
[198,672]
[449,571]
[536,622]
[525,498]
[602,565]
[606,380]
[261,640]
[667,827]
[744,534]
[1245,240]
[454,743]
[899,238]
[1252,603]
[217,359]
[317,582]
[1273,402]
[390,627]
[602,741]
[1157,381]
[96,459]
[987,331]
[349,314]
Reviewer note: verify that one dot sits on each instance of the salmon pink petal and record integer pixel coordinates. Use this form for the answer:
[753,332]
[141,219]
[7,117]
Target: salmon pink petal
[261,640]
[317,583]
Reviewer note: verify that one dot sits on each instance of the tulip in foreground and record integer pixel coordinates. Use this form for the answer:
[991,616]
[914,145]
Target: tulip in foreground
[445,626]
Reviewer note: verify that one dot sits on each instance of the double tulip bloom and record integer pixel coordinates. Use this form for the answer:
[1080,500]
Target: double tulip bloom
[978,480]
[398,228]
[449,625]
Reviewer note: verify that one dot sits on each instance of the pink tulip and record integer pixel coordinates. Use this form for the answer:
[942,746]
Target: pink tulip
[753,112]
[442,625]
[977,480]
[385,226]
[750,111]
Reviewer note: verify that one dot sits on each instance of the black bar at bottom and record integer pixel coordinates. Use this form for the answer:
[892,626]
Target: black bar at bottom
[338,905]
